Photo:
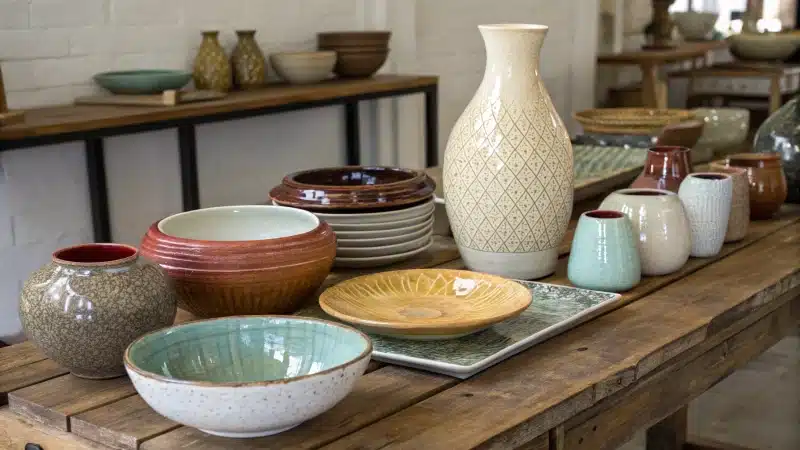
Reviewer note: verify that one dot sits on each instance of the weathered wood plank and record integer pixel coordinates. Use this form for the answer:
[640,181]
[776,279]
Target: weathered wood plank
[669,433]
[540,443]
[16,431]
[28,375]
[19,355]
[123,424]
[696,443]
[376,395]
[52,402]
[538,389]
[647,403]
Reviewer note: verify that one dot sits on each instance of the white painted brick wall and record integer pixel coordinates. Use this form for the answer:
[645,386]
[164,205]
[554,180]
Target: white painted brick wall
[50,48]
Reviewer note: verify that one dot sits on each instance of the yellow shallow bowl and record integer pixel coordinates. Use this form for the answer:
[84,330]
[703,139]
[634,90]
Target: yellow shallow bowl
[425,304]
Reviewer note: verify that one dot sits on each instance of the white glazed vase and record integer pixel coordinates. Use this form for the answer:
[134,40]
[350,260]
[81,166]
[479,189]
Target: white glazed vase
[508,179]
[660,223]
[707,199]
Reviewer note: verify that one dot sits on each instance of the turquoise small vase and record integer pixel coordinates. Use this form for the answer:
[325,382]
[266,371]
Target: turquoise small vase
[604,256]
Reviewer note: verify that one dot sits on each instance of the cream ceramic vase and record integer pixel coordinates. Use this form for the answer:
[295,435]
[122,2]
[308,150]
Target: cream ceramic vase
[659,222]
[508,179]
[707,197]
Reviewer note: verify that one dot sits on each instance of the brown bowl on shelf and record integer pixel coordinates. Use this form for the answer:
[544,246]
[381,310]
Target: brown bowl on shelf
[768,189]
[354,38]
[233,260]
[353,188]
[359,64]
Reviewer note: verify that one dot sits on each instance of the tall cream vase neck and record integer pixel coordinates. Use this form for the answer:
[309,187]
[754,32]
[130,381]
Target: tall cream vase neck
[508,180]
[512,58]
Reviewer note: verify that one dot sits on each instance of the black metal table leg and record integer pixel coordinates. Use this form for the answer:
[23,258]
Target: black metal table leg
[98,190]
[432,126]
[187,150]
[352,133]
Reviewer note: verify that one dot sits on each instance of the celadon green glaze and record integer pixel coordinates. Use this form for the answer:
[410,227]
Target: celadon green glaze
[604,254]
[247,349]
[85,307]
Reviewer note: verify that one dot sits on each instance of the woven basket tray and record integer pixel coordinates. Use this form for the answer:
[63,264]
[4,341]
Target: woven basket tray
[638,121]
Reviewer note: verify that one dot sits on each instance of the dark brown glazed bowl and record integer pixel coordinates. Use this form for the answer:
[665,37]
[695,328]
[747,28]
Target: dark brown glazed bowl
[353,188]
[768,189]
[359,64]
[224,275]
[354,39]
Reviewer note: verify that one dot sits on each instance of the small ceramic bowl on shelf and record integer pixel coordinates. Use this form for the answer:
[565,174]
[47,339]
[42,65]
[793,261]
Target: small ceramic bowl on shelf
[425,304]
[254,259]
[304,67]
[763,46]
[629,121]
[693,25]
[359,54]
[725,130]
[142,82]
[232,377]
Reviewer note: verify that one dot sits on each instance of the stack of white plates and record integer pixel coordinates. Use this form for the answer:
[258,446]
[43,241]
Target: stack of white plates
[381,238]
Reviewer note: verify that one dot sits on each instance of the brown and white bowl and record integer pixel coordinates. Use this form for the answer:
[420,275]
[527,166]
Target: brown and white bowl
[233,260]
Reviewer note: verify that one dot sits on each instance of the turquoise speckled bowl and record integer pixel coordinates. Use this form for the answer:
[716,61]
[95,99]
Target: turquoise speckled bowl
[140,82]
[247,376]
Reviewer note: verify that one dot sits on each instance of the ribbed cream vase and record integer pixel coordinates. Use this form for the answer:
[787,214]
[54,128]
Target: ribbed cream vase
[508,179]
[707,199]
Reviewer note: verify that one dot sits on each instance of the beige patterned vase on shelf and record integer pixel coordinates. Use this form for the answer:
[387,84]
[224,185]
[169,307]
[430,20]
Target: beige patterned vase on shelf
[212,69]
[508,177]
[248,62]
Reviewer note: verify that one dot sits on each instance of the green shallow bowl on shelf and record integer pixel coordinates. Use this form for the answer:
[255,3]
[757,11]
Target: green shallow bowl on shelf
[142,82]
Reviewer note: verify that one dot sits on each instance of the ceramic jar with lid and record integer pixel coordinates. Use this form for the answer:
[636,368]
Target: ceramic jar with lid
[768,188]
[604,254]
[706,197]
[87,305]
[664,168]
[739,220]
[659,222]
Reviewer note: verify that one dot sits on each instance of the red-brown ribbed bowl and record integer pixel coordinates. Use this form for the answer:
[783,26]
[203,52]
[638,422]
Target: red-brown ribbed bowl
[223,278]
[353,188]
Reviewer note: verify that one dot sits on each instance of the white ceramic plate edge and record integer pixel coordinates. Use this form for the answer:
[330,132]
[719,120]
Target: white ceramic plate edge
[414,243]
[374,261]
[414,211]
[371,242]
[406,229]
[378,226]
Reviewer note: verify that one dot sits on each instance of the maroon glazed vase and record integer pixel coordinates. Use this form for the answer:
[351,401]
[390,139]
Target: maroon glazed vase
[665,168]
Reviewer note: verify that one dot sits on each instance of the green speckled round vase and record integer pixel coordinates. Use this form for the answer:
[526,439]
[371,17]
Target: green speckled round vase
[85,307]
[212,69]
[249,64]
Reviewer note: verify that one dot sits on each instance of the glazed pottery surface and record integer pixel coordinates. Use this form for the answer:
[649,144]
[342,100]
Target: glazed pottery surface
[253,259]
[629,121]
[365,262]
[212,69]
[248,62]
[85,307]
[247,376]
[765,174]
[707,198]
[665,168]
[390,225]
[390,232]
[693,25]
[383,250]
[425,303]
[414,212]
[303,67]
[725,130]
[359,64]
[137,82]
[353,188]
[739,220]
[659,220]
[763,46]
[780,133]
[379,241]
[340,39]
[604,254]
[508,165]
[682,134]
[554,310]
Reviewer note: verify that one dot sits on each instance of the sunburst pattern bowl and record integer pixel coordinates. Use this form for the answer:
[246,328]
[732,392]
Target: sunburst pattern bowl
[425,304]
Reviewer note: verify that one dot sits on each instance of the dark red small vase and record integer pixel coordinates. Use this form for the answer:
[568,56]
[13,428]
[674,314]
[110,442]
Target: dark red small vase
[665,168]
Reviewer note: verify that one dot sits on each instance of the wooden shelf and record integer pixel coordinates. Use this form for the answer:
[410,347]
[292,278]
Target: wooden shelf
[63,119]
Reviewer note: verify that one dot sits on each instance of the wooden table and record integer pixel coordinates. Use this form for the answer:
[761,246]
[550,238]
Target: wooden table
[590,388]
[92,123]
[745,79]
[651,62]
